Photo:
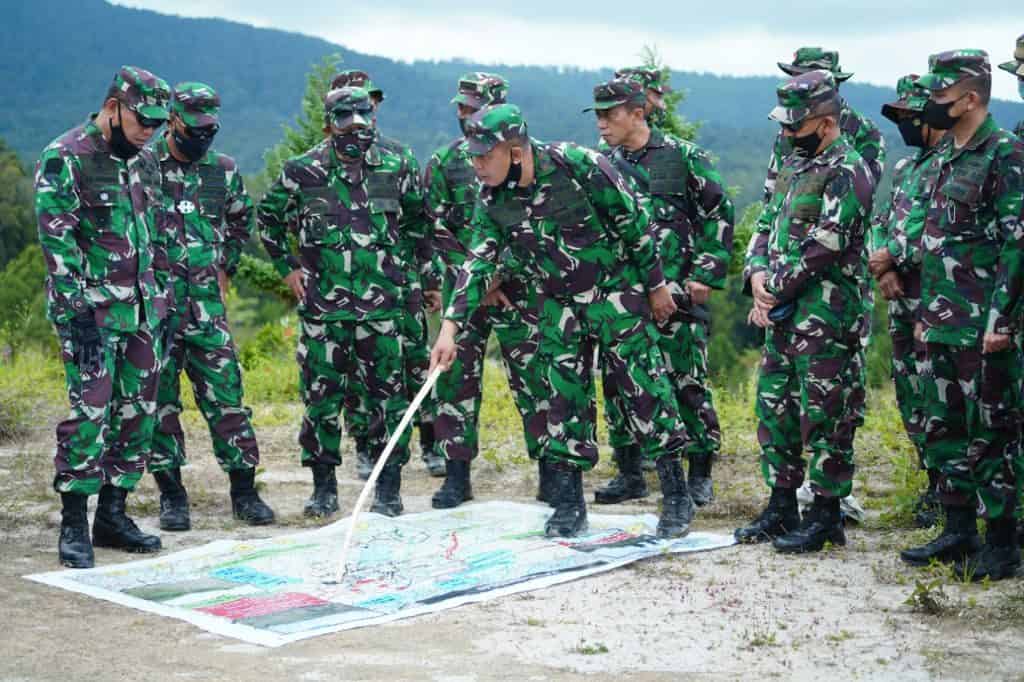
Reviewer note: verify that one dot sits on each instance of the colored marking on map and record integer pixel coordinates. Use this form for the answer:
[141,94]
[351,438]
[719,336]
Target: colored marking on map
[173,590]
[252,607]
[452,547]
[247,576]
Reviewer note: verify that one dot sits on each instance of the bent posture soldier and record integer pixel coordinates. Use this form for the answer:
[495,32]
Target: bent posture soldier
[210,218]
[359,210]
[692,217]
[896,264]
[97,204]
[972,275]
[570,218]
[805,268]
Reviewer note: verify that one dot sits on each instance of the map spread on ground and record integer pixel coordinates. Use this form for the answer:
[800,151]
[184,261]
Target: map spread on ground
[281,589]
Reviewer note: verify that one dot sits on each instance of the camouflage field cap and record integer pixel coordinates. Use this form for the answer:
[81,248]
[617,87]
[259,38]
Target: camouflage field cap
[814,58]
[348,106]
[356,79]
[492,125]
[649,79]
[1016,67]
[197,104]
[910,96]
[810,94]
[953,66]
[617,92]
[479,89]
[141,91]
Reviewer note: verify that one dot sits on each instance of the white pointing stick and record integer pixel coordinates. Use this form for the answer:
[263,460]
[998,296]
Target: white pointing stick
[381,461]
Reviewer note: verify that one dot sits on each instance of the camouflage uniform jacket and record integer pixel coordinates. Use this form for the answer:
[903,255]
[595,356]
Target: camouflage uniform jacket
[210,217]
[98,225]
[577,229]
[899,229]
[810,242]
[865,137]
[690,212]
[973,243]
[359,228]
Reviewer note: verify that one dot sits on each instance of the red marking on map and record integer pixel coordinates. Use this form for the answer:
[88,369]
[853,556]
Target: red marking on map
[448,553]
[250,607]
[621,536]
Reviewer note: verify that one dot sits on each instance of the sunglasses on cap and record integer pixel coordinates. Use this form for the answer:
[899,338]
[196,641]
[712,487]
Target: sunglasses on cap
[470,86]
[143,121]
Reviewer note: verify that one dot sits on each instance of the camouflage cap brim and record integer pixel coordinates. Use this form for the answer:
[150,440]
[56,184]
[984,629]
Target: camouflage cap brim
[840,76]
[1014,67]
[934,81]
[479,145]
[605,105]
[789,116]
[350,119]
[469,100]
[893,110]
[151,111]
[195,119]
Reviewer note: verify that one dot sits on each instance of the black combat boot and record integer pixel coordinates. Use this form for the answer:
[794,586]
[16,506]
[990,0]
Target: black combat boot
[74,548]
[676,506]
[246,504]
[386,497]
[702,489]
[570,517]
[822,523]
[959,538]
[112,528]
[545,482]
[781,516]
[928,508]
[174,512]
[456,488]
[324,500]
[436,466]
[364,465]
[629,484]
[998,558]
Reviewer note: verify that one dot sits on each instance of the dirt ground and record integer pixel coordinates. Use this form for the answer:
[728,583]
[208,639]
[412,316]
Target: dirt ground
[739,613]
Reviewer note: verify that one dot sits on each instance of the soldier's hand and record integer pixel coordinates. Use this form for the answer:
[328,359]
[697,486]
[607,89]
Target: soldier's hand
[919,332]
[443,353]
[880,262]
[761,295]
[891,285]
[700,293]
[224,282]
[432,300]
[758,317]
[296,282]
[662,305]
[993,343]
[497,298]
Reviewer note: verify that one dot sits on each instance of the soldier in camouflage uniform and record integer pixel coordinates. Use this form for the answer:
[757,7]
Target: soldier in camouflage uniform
[358,209]
[98,205]
[655,89]
[423,297]
[867,140]
[805,267]
[693,219]
[451,188]
[1016,67]
[570,218]
[210,218]
[896,264]
[972,275]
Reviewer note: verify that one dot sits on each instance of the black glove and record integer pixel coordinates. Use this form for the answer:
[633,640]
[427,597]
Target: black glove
[85,335]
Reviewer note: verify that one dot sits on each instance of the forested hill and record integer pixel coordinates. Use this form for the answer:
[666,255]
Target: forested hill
[60,56]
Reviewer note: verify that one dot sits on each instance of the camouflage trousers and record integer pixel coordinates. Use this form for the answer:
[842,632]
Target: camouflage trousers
[802,405]
[107,435]
[972,407]
[204,350]
[617,327]
[684,346]
[459,391]
[343,358]
[906,360]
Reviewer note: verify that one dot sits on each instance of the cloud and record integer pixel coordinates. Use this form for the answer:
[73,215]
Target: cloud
[880,42]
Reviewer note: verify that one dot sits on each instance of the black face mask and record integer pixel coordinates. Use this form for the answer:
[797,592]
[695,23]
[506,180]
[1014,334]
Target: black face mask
[514,175]
[354,144]
[936,115]
[119,144]
[195,146]
[912,131]
[806,145]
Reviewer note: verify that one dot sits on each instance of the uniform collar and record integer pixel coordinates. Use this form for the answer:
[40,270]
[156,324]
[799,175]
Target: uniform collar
[987,129]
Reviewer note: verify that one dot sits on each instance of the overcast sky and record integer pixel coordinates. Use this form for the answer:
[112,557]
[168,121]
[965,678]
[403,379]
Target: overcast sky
[879,41]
